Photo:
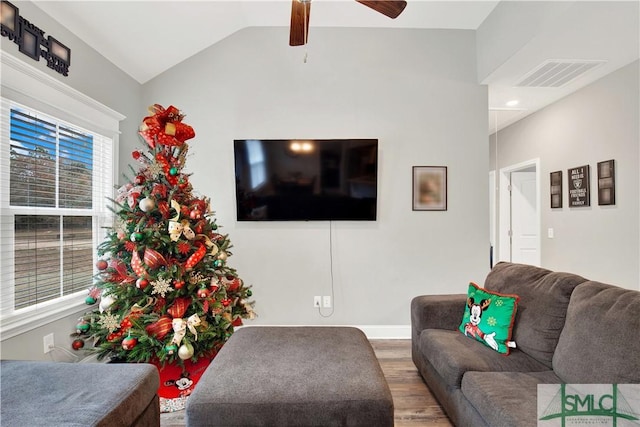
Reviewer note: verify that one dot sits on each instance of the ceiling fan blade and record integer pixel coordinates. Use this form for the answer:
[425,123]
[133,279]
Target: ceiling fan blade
[390,8]
[299,31]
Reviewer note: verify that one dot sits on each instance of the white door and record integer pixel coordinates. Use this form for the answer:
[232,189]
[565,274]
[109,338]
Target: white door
[524,219]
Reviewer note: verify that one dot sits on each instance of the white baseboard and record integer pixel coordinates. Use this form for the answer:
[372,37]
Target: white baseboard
[386,332]
[373,332]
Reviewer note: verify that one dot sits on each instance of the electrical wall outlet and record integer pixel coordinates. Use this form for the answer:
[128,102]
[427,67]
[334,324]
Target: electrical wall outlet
[48,343]
[316,301]
[326,301]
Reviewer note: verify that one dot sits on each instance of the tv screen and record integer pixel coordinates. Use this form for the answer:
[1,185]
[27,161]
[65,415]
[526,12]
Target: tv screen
[306,180]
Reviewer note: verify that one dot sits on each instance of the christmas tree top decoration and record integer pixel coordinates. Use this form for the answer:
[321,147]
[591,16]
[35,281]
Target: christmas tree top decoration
[167,293]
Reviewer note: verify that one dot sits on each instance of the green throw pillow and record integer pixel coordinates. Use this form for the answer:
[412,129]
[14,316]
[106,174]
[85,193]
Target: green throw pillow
[488,317]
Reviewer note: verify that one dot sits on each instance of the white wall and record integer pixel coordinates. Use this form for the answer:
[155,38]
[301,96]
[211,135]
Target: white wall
[414,90]
[599,122]
[91,74]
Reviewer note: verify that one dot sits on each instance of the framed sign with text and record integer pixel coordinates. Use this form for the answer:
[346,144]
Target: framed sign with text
[32,40]
[579,186]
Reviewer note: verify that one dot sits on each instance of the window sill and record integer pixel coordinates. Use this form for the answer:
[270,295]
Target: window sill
[15,325]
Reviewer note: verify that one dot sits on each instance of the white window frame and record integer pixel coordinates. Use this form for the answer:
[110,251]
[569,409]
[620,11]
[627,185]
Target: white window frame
[23,84]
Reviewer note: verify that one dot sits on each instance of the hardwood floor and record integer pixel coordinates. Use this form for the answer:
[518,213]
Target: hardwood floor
[414,404]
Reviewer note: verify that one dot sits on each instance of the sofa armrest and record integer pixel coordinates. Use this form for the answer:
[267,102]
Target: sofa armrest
[436,312]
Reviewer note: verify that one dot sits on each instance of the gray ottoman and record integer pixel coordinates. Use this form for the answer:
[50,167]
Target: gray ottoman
[293,376]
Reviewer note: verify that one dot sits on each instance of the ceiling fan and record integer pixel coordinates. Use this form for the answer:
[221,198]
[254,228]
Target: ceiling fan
[300,10]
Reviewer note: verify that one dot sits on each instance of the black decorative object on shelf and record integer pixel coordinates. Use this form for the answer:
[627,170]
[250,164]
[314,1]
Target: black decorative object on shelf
[31,40]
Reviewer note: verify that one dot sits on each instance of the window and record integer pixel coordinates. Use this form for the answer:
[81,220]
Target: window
[57,150]
[51,166]
[56,197]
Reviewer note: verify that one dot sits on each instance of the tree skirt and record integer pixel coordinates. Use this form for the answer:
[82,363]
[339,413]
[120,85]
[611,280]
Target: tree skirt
[173,405]
[177,382]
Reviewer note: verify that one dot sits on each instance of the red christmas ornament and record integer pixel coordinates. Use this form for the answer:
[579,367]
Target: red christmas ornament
[77,344]
[195,214]
[139,180]
[102,264]
[178,284]
[203,293]
[129,342]
[142,283]
[225,302]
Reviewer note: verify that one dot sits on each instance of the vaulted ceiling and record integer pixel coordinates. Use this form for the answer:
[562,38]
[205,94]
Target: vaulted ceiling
[515,38]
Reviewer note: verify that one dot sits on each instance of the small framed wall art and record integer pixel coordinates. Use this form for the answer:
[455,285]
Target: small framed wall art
[579,187]
[556,189]
[429,188]
[606,183]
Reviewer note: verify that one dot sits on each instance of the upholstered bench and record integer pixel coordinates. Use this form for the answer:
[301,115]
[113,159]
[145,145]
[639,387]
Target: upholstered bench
[39,394]
[293,376]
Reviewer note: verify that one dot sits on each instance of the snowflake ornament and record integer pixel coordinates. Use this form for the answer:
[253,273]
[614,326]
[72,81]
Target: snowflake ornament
[153,170]
[161,287]
[109,321]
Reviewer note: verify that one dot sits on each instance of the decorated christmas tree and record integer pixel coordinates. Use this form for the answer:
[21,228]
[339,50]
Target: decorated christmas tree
[166,292]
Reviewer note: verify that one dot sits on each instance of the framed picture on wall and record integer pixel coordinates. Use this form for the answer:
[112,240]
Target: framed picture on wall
[579,186]
[606,183]
[556,189]
[429,188]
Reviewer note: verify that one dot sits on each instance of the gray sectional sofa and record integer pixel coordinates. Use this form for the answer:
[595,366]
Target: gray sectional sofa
[567,330]
[50,394]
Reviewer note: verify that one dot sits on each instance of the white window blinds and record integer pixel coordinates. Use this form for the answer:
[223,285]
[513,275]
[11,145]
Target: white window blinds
[57,177]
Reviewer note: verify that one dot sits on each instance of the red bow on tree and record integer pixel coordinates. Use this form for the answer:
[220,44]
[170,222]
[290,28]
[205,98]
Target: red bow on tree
[165,127]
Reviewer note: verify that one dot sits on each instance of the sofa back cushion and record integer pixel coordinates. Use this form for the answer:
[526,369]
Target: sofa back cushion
[600,341]
[544,297]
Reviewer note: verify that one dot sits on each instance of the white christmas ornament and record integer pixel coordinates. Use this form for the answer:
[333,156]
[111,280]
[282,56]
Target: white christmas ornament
[147,204]
[106,301]
[185,351]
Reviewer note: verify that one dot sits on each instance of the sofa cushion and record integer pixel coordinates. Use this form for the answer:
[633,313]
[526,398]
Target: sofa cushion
[488,317]
[506,398]
[544,297]
[76,394]
[599,343]
[452,354]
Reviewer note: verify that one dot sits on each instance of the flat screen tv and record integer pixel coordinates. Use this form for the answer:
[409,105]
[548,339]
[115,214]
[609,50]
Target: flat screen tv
[306,180]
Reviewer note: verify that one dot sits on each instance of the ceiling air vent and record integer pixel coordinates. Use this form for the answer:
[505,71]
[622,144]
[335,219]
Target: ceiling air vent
[557,73]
